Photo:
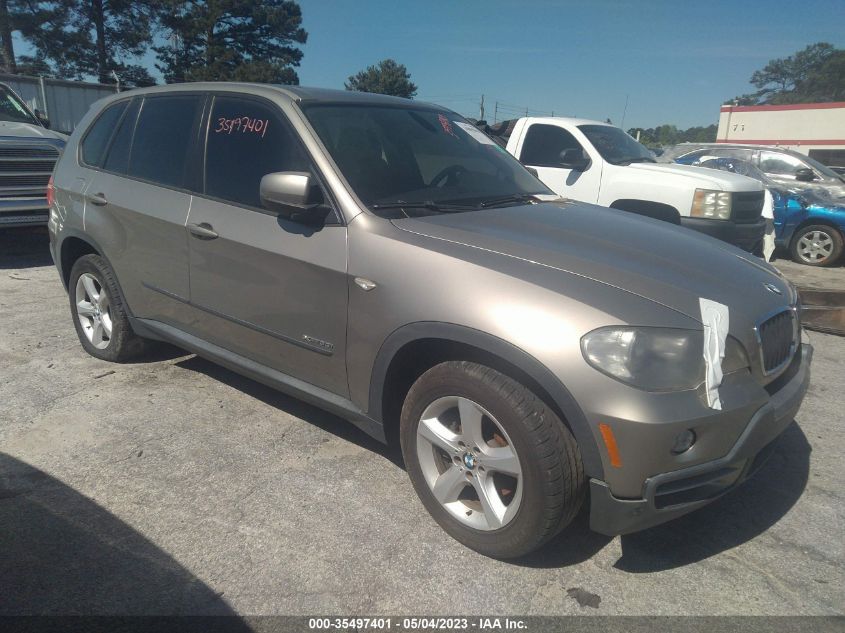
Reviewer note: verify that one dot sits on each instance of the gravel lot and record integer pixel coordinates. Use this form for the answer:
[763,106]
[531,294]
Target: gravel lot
[175,486]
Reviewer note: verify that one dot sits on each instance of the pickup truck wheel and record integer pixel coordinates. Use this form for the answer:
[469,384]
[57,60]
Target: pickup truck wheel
[816,245]
[98,312]
[492,464]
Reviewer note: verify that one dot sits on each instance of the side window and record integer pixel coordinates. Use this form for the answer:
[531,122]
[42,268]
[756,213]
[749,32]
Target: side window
[162,139]
[733,152]
[780,164]
[117,159]
[694,157]
[543,145]
[93,147]
[247,140]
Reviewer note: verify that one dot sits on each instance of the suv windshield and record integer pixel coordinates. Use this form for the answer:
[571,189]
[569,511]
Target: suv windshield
[419,160]
[13,109]
[615,146]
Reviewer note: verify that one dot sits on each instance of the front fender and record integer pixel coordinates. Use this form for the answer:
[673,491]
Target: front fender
[563,400]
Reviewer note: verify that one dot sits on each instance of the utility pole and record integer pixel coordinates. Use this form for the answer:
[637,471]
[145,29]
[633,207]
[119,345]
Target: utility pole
[496,112]
[624,112]
[481,113]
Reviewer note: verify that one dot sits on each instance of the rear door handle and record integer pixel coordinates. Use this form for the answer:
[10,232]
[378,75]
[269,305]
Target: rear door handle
[203,231]
[97,198]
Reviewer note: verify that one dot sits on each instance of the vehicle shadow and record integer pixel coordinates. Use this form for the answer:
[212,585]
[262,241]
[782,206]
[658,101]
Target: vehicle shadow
[62,554]
[324,420]
[576,544]
[24,248]
[736,518]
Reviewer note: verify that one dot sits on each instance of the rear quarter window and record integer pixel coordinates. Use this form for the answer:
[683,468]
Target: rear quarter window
[117,159]
[96,140]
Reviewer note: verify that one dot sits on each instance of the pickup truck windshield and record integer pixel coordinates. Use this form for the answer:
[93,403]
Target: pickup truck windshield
[615,146]
[419,161]
[12,109]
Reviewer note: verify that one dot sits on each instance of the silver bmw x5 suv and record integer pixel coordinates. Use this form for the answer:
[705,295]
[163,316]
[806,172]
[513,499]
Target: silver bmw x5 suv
[385,260]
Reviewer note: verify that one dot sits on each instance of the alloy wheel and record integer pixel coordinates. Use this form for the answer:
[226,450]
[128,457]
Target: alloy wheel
[469,463]
[93,310]
[815,246]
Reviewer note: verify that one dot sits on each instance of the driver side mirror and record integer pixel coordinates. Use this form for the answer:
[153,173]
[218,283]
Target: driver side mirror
[42,118]
[294,195]
[574,159]
[805,175]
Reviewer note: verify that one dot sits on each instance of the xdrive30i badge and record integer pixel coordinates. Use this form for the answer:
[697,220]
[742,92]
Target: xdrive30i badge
[329,347]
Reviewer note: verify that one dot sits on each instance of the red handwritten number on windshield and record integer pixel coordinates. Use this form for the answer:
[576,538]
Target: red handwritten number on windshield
[242,124]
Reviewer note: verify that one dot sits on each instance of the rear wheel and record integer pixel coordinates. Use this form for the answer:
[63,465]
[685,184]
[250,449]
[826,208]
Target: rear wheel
[98,312]
[816,245]
[493,465]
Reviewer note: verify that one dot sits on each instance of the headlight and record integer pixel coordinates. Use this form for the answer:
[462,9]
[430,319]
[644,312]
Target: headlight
[656,359]
[715,205]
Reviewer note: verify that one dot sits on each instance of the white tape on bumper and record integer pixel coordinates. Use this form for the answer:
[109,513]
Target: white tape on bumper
[716,319]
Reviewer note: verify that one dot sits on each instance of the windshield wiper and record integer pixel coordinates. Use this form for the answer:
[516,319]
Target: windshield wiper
[642,159]
[519,197]
[442,207]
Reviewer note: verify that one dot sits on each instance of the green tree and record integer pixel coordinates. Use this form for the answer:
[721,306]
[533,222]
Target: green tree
[387,77]
[231,40]
[811,75]
[665,135]
[7,49]
[827,81]
[78,39]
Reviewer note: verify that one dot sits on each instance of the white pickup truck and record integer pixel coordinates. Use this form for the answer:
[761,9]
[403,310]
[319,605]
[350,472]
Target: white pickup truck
[599,163]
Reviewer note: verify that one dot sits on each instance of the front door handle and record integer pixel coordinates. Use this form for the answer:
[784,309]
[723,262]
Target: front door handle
[97,198]
[203,231]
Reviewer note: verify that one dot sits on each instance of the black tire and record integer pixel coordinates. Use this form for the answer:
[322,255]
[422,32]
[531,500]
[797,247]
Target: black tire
[826,231]
[123,344]
[553,481]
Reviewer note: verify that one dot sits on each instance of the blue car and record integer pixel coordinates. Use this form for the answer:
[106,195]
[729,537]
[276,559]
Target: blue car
[809,222]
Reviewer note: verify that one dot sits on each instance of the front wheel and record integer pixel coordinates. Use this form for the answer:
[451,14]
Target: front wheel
[493,465]
[816,245]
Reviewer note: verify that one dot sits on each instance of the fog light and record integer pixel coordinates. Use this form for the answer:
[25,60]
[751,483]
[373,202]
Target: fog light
[684,441]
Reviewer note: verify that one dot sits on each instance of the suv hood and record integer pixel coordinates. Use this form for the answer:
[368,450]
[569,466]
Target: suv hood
[658,261]
[28,131]
[703,179]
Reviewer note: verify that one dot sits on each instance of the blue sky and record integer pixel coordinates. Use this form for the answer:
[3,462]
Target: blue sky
[675,61]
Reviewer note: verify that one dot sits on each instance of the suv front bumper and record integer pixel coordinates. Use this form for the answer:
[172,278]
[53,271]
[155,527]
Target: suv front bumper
[673,494]
[746,235]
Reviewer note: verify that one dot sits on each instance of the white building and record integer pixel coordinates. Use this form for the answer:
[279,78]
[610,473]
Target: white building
[815,129]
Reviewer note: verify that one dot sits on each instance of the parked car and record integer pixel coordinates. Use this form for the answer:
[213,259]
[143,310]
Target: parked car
[809,223]
[28,151]
[384,259]
[599,163]
[784,167]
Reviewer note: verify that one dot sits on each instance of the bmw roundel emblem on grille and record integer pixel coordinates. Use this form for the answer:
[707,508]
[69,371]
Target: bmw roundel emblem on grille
[772,288]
